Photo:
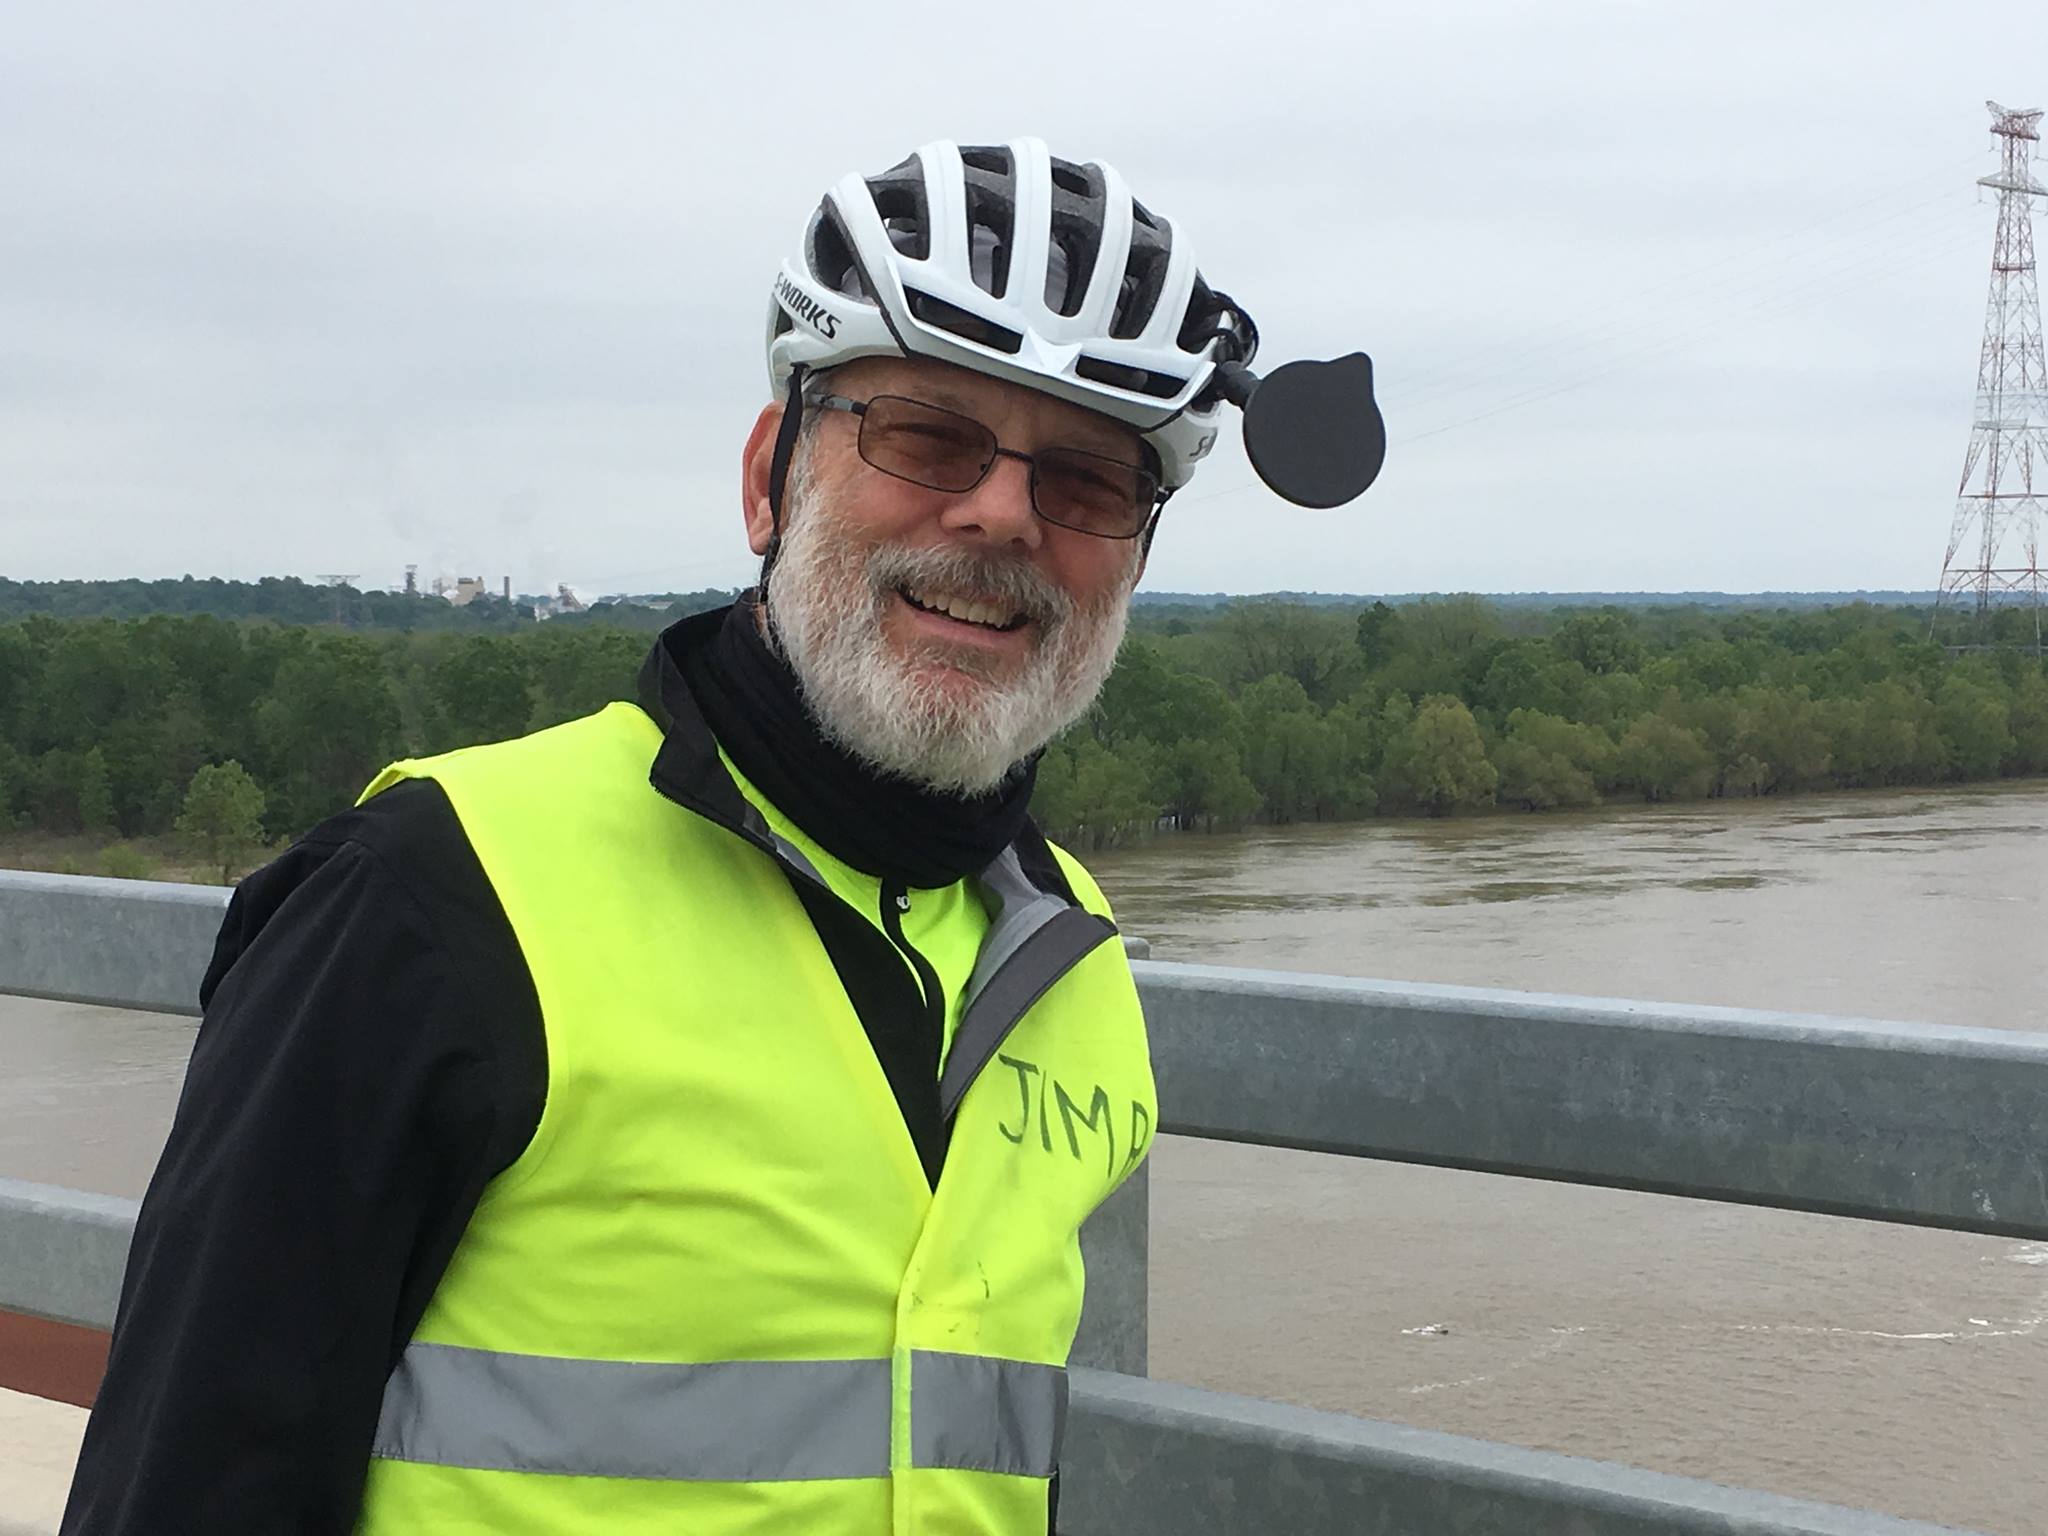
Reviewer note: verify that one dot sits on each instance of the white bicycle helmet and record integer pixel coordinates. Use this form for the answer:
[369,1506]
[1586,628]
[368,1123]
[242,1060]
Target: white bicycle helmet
[1007,261]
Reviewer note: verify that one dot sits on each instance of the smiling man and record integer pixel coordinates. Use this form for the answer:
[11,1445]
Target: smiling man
[683,1119]
[942,627]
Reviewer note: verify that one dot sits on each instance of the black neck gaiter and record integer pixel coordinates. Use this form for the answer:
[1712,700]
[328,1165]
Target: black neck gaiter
[876,822]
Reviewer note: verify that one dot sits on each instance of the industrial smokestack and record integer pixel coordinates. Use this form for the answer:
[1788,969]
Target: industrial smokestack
[508,589]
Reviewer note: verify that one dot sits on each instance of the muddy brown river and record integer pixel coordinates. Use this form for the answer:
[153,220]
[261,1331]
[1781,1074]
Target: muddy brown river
[1867,1364]
[1900,1370]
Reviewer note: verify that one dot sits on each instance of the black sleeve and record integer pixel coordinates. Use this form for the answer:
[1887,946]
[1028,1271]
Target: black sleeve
[371,1054]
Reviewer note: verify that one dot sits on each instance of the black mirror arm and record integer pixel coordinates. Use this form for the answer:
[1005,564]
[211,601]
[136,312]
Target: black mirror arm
[1235,383]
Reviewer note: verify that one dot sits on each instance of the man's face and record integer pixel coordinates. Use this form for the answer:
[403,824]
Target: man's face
[941,635]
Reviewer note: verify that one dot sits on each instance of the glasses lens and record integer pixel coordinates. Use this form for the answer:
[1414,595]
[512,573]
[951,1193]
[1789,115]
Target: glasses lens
[1093,494]
[923,444]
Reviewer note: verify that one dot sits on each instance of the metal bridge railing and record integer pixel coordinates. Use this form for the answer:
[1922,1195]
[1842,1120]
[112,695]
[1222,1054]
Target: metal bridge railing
[1920,1124]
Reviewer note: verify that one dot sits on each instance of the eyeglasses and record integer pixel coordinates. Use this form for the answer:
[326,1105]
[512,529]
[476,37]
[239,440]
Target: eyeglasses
[946,451]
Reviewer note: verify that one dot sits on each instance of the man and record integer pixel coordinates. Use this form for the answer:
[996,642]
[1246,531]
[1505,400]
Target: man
[682,1119]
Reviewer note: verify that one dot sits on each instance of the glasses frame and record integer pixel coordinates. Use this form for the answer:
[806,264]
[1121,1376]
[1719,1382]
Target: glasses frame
[859,409]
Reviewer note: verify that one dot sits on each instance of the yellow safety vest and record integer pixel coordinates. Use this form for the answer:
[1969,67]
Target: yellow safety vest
[717,1293]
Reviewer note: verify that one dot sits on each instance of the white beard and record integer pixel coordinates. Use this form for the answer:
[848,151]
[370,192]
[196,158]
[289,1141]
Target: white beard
[827,598]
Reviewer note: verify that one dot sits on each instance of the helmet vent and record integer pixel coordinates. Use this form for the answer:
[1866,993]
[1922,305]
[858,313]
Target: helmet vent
[1062,293]
[1077,207]
[831,258]
[969,327]
[903,213]
[991,190]
[1144,276]
[1139,381]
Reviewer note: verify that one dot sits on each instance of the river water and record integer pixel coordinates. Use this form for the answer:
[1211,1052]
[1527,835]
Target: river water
[1862,1363]
[1866,1364]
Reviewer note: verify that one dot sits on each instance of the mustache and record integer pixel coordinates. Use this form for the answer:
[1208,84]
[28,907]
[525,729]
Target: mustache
[1007,581]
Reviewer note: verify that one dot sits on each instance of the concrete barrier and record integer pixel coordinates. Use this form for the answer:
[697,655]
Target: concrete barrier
[1148,1456]
[62,1252]
[1916,1123]
[127,943]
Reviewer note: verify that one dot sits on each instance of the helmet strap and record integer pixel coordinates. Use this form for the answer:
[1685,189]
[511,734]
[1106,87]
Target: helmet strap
[1152,528]
[778,469]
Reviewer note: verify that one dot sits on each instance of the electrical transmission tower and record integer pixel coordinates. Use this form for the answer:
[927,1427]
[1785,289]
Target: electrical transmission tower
[1992,546]
[339,580]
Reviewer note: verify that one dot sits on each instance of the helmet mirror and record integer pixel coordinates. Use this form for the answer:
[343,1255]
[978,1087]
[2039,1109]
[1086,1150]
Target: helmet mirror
[1313,431]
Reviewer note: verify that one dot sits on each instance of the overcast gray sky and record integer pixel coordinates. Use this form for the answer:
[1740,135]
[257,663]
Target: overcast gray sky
[1662,296]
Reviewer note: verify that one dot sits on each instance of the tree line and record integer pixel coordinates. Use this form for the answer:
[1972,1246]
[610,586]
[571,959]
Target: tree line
[1277,712]
[288,600]
[106,723]
[1250,711]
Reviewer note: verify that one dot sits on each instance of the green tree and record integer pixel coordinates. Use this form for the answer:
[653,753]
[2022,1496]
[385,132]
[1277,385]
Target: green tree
[1600,642]
[1355,736]
[579,671]
[2028,721]
[1149,695]
[1200,782]
[95,793]
[1663,760]
[53,792]
[152,756]
[1317,650]
[1885,735]
[1608,701]
[1707,666]
[21,666]
[1379,634]
[485,690]
[1970,715]
[1526,674]
[1545,762]
[223,815]
[13,774]
[1396,715]
[1447,644]
[1289,754]
[329,724]
[1090,796]
[1786,732]
[1437,764]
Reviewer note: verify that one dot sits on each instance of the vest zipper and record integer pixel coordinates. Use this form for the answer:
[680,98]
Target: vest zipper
[896,902]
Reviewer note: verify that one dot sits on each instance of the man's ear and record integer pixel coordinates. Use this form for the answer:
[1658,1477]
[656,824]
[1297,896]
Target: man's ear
[756,463]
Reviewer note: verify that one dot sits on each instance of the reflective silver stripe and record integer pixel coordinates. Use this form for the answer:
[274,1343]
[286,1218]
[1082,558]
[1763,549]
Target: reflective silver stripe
[793,855]
[1021,910]
[1054,946]
[742,1421]
[974,1413]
